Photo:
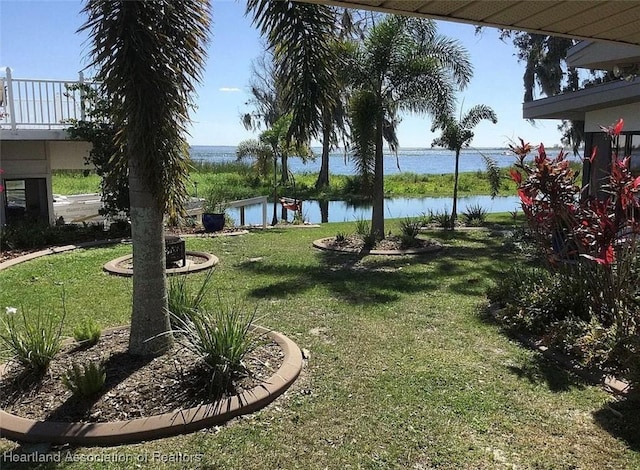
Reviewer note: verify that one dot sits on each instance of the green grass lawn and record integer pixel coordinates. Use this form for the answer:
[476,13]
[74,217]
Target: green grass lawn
[404,369]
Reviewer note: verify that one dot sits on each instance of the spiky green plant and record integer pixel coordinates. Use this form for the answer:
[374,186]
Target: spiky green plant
[221,337]
[183,301]
[31,340]
[87,333]
[85,380]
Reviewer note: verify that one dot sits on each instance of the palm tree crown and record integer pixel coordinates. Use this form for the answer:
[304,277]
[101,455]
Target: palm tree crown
[457,134]
[403,65]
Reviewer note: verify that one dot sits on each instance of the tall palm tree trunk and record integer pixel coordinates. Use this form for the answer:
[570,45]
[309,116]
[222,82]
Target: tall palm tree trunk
[274,219]
[377,212]
[323,177]
[150,319]
[454,211]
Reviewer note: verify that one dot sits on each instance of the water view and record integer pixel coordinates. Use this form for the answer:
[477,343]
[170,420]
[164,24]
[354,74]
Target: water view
[341,211]
[421,161]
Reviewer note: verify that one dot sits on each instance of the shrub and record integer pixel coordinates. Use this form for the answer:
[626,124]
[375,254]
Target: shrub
[363,230]
[534,299]
[426,218]
[409,230]
[183,302]
[589,303]
[86,380]
[442,219]
[87,333]
[221,338]
[340,237]
[31,340]
[474,215]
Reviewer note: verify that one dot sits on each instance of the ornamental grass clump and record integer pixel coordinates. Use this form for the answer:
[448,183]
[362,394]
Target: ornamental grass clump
[183,300]
[474,215]
[31,340]
[86,380]
[363,231]
[409,231]
[220,337]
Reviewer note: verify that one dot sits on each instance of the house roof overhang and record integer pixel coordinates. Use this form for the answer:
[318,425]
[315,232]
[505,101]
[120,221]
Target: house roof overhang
[576,104]
[599,20]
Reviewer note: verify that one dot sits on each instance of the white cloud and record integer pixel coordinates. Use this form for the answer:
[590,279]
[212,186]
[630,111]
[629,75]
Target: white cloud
[227,89]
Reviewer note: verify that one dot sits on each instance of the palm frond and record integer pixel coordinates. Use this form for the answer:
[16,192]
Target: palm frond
[476,114]
[493,174]
[300,35]
[363,111]
[151,74]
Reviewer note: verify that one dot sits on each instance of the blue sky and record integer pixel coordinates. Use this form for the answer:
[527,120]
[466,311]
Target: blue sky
[38,39]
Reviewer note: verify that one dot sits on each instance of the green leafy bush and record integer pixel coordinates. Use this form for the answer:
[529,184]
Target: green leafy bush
[363,230]
[86,380]
[31,340]
[442,219]
[87,333]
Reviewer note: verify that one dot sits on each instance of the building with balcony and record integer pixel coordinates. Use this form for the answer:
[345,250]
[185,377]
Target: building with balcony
[600,105]
[33,143]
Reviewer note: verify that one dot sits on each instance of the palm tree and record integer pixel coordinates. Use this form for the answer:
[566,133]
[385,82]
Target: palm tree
[149,56]
[457,134]
[305,42]
[273,146]
[403,65]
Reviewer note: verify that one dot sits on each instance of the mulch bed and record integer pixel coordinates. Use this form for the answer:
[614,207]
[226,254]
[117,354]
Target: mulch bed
[135,387]
[390,243]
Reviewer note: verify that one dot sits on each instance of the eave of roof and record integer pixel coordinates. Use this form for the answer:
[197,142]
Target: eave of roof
[599,20]
[574,105]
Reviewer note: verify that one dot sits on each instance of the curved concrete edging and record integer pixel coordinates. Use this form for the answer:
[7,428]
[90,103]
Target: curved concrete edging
[60,249]
[322,245]
[211,260]
[168,424]
[153,427]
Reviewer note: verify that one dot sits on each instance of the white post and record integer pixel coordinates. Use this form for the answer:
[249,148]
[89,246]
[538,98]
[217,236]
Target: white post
[12,107]
[264,213]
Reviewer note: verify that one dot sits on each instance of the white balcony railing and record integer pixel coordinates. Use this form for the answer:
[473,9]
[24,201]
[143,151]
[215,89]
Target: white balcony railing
[39,104]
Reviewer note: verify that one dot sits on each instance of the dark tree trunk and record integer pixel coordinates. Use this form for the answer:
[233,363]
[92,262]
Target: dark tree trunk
[324,210]
[323,177]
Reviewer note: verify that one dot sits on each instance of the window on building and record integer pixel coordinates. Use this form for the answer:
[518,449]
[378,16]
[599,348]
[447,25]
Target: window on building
[26,199]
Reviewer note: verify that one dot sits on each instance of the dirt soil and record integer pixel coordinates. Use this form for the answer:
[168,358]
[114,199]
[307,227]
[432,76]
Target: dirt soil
[135,387]
[389,243]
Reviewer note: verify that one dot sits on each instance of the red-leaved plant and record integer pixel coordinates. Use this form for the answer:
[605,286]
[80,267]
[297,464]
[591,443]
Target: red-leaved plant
[567,224]
[594,236]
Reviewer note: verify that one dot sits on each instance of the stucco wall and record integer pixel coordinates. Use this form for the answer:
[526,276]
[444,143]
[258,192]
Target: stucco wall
[605,117]
[68,155]
[23,158]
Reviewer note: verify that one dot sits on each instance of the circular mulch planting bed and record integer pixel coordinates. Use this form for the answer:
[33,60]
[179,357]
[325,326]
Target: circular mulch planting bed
[386,246]
[135,387]
[196,261]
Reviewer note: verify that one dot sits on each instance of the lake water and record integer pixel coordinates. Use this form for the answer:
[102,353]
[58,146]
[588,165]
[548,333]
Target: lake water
[419,161]
[341,211]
